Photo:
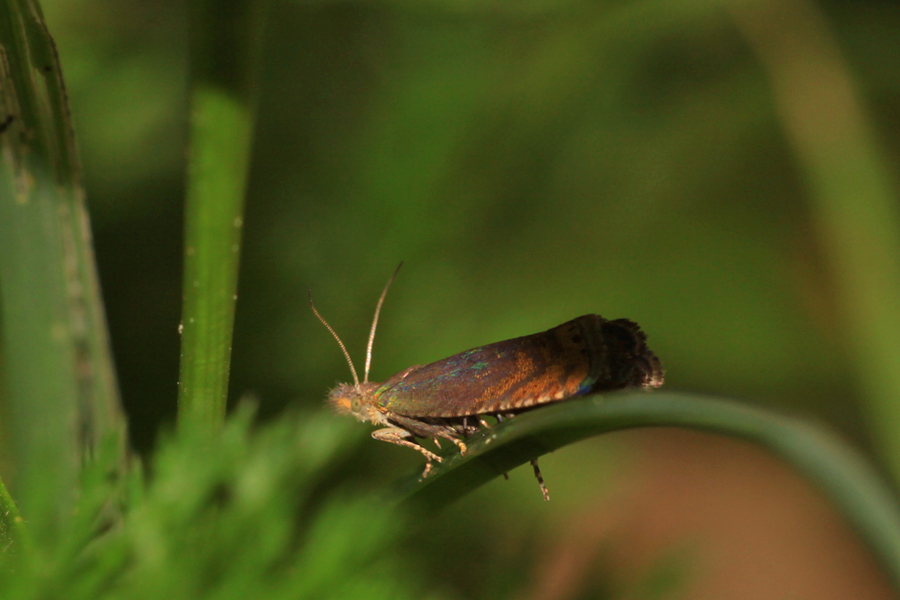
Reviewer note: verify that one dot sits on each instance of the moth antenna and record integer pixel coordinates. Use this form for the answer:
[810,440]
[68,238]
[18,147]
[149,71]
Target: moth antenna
[340,343]
[375,322]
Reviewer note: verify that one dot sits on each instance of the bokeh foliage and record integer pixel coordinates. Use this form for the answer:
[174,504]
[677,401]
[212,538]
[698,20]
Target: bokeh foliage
[242,516]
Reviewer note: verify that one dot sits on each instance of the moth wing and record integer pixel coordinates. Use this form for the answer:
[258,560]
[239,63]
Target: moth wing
[560,363]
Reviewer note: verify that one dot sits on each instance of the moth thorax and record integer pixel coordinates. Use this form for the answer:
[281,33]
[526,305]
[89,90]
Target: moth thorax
[349,399]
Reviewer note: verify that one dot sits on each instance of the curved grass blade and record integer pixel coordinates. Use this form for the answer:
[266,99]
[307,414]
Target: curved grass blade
[839,471]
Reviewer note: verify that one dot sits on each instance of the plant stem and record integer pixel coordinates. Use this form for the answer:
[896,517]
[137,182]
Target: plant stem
[225,40]
[63,397]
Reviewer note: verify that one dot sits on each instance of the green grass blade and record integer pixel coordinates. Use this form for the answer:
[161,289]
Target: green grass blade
[225,39]
[62,393]
[864,499]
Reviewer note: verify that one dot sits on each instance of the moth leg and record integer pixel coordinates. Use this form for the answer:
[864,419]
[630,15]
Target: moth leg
[449,436]
[540,479]
[465,429]
[534,463]
[480,423]
[396,435]
[445,433]
[436,442]
[429,430]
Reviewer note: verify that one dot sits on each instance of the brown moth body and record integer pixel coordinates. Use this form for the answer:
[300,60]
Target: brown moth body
[449,399]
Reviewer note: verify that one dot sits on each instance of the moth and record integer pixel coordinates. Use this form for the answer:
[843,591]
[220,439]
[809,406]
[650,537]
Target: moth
[449,399]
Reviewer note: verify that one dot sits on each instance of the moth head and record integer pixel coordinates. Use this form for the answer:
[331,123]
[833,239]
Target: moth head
[356,400]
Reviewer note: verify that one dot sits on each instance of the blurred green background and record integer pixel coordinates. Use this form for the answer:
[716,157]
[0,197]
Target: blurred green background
[530,162]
